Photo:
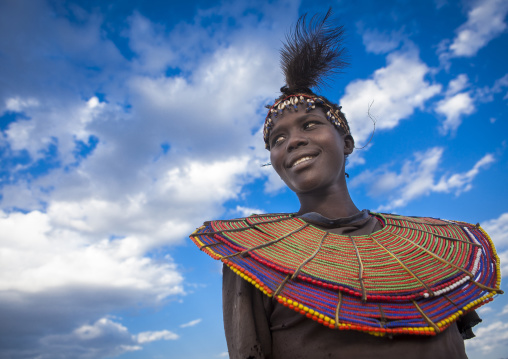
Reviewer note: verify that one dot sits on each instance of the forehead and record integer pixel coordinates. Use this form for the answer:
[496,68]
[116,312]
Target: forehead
[294,118]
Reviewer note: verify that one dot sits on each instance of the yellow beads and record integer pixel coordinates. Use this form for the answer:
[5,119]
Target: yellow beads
[249,278]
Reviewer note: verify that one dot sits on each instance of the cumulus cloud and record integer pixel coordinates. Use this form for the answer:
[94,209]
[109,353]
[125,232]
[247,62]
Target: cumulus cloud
[457,84]
[488,338]
[51,59]
[191,323]
[63,127]
[485,21]
[104,338]
[484,310]
[56,277]
[381,43]
[498,230]
[500,84]
[45,256]
[462,182]
[16,104]
[460,100]
[394,91]
[503,259]
[453,108]
[246,211]
[417,178]
[147,337]
[456,104]
[486,94]
[112,157]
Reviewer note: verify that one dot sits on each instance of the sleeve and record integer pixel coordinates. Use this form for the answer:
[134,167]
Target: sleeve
[246,318]
[466,324]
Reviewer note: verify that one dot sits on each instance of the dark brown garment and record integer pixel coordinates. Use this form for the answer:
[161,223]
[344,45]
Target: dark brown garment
[258,327]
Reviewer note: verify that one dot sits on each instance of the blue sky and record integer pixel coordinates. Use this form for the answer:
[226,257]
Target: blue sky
[126,124]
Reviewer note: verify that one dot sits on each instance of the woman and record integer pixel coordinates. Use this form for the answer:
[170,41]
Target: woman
[331,281]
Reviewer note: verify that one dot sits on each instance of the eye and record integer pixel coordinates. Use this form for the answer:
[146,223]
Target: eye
[309,124]
[277,140]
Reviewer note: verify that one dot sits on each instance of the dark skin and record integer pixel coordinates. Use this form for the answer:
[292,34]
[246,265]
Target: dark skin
[309,154]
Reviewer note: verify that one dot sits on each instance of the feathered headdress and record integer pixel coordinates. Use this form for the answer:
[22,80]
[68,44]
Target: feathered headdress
[311,53]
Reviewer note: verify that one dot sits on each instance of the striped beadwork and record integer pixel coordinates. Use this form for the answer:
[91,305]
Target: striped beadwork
[414,276]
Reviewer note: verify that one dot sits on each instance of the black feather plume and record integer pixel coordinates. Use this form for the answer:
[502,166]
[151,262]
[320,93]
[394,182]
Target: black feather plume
[311,53]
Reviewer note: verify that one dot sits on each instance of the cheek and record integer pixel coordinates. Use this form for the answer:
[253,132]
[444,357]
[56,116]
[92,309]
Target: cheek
[275,158]
[277,161]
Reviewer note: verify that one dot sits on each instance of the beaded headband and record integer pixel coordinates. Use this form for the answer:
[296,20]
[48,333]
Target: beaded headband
[333,115]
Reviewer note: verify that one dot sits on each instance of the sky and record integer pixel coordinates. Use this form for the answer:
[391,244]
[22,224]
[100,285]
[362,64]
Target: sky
[124,125]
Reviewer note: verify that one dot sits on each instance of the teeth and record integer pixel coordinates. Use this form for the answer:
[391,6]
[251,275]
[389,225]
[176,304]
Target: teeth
[303,159]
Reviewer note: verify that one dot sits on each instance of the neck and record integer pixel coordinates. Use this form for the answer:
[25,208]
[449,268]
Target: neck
[336,204]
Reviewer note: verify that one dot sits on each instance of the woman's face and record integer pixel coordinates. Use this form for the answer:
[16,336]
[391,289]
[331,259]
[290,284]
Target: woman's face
[308,152]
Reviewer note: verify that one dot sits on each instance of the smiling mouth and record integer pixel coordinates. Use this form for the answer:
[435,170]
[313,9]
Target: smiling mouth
[302,160]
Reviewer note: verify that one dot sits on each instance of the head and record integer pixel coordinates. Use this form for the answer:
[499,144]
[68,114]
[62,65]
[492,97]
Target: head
[292,101]
[308,149]
[308,137]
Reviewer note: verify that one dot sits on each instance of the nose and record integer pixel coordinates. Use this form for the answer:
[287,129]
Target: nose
[295,141]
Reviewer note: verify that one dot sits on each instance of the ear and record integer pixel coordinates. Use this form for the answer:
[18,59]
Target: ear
[349,144]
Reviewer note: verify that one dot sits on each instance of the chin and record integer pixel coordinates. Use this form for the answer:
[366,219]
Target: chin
[306,186]
[315,185]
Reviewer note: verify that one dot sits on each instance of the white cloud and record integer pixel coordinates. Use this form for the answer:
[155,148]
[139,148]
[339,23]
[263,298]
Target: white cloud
[456,104]
[60,127]
[485,21]
[454,108]
[273,183]
[457,84]
[17,104]
[488,338]
[500,84]
[505,310]
[498,230]
[462,182]
[83,245]
[246,211]
[104,338]
[486,93]
[417,178]
[40,256]
[503,259]
[147,337]
[484,310]
[395,91]
[191,323]
[149,42]
[381,43]
[98,245]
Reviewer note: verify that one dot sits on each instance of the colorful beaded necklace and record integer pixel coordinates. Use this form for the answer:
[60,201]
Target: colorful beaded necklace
[414,276]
